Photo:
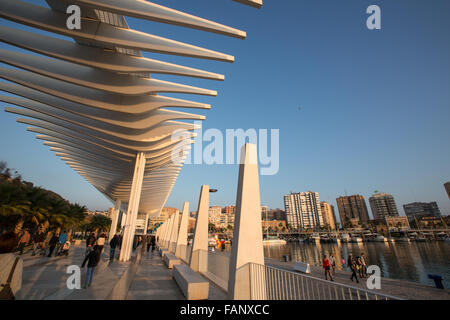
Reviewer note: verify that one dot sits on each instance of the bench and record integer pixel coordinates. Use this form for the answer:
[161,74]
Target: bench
[171,260]
[193,286]
[302,267]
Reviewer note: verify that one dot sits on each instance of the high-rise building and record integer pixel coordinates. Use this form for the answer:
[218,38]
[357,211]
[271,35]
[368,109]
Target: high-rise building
[303,210]
[264,210]
[352,209]
[229,209]
[383,204]
[215,213]
[447,188]
[329,218]
[417,210]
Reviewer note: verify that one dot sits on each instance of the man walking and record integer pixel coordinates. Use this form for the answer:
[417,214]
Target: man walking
[112,247]
[38,242]
[52,243]
[61,241]
[352,265]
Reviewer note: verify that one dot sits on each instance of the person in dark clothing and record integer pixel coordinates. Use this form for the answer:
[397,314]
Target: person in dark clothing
[92,260]
[149,243]
[352,265]
[112,246]
[90,242]
[152,242]
[38,241]
[120,241]
[52,244]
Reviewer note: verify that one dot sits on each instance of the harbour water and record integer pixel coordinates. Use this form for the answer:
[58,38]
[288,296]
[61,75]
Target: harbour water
[406,261]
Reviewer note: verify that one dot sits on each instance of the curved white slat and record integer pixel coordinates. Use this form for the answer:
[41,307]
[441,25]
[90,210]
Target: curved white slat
[49,20]
[96,57]
[91,97]
[151,11]
[93,101]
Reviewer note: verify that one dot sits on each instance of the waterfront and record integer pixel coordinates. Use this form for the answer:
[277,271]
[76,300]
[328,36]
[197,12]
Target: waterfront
[406,261]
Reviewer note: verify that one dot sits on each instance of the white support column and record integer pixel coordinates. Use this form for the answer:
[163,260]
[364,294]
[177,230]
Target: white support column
[174,232]
[168,232]
[124,219]
[199,257]
[146,224]
[182,234]
[133,207]
[165,230]
[114,219]
[247,244]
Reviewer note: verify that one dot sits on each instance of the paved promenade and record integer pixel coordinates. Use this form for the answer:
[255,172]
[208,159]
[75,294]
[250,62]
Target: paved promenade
[45,279]
[398,288]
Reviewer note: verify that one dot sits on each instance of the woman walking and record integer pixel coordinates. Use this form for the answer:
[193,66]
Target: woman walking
[326,267]
[92,259]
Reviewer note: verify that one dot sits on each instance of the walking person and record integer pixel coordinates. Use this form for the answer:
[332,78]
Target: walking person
[90,242]
[92,260]
[52,243]
[120,241]
[352,265]
[332,263]
[149,243]
[65,249]
[363,265]
[326,267]
[112,247]
[38,241]
[153,243]
[23,241]
[101,242]
[61,241]
[359,267]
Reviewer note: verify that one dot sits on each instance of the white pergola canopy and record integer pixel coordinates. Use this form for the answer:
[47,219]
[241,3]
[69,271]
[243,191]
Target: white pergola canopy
[93,101]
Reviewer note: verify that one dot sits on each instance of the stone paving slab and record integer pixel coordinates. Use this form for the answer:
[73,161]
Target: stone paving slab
[45,278]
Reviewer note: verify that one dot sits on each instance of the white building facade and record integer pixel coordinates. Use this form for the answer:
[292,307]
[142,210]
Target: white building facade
[303,210]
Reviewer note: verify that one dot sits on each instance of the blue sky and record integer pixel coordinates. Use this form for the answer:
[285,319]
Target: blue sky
[358,110]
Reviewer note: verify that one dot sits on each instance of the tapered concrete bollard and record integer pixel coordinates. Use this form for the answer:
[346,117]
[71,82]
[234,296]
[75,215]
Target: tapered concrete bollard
[174,232]
[247,244]
[114,219]
[182,235]
[199,259]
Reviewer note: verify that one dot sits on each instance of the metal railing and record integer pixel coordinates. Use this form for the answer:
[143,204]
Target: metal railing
[269,283]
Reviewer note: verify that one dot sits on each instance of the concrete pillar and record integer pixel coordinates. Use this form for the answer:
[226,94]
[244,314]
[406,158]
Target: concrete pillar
[133,207]
[114,219]
[182,234]
[167,232]
[198,261]
[174,232]
[124,219]
[247,246]
[146,224]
